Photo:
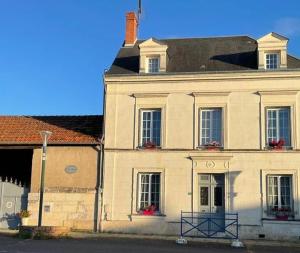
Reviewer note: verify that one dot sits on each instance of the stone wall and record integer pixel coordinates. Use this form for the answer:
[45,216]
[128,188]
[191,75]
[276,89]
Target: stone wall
[70,209]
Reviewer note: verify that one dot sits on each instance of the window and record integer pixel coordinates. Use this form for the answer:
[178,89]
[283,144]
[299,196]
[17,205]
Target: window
[151,128]
[278,126]
[149,193]
[211,126]
[153,65]
[279,194]
[272,61]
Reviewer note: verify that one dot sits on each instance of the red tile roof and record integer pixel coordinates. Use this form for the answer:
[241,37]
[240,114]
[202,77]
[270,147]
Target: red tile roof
[22,130]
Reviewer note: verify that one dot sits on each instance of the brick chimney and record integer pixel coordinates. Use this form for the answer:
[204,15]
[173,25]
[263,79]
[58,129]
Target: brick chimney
[131,29]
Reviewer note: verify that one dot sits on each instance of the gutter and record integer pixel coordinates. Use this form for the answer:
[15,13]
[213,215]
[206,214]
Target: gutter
[211,72]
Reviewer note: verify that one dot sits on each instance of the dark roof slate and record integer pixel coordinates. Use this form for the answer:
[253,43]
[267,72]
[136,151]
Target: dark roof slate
[66,130]
[198,55]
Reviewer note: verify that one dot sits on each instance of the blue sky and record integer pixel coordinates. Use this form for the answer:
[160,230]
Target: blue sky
[53,52]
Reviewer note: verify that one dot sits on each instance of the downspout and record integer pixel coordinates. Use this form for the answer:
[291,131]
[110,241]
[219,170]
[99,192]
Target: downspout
[101,167]
[97,212]
[99,188]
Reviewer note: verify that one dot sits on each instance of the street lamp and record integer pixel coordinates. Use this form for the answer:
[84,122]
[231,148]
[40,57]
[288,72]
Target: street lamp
[45,137]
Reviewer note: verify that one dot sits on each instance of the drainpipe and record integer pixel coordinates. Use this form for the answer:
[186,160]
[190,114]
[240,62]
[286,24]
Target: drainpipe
[99,186]
[101,167]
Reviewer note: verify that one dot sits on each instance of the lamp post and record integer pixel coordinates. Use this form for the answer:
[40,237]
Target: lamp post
[45,137]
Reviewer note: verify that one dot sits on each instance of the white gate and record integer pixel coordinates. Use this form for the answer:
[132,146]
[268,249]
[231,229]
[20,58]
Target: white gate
[13,199]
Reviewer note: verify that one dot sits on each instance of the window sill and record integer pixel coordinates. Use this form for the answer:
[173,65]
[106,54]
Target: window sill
[150,149]
[271,69]
[268,148]
[204,148]
[135,217]
[276,221]
[153,73]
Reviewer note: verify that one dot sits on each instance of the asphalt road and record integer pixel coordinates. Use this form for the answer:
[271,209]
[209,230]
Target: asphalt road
[122,245]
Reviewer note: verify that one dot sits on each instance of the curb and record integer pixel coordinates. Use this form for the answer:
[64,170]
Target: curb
[79,235]
[7,232]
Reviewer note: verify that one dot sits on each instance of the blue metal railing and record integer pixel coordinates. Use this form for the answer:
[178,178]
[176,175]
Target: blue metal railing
[209,225]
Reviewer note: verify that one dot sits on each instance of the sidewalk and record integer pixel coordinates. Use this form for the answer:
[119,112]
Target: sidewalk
[8,232]
[92,235]
[258,242]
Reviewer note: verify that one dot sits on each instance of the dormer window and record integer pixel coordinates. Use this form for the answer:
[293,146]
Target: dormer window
[272,52]
[272,61]
[153,56]
[153,65]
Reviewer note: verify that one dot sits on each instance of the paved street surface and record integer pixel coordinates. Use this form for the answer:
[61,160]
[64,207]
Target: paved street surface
[123,245]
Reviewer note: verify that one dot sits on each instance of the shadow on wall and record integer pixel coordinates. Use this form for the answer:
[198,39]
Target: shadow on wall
[251,226]
[232,176]
[11,219]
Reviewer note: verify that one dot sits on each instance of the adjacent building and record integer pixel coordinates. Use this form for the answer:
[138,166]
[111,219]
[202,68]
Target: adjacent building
[208,125]
[73,170]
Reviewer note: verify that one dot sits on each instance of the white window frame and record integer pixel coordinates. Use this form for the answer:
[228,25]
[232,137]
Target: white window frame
[279,176]
[277,124]
[148,64]
[277,60]
[151,127]
[200,124]
[150,174]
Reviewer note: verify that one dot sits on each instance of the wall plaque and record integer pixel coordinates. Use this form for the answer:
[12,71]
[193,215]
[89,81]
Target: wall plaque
[9,205]
[71,169]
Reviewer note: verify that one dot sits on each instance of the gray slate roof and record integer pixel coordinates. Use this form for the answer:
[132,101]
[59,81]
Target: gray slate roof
[198,55]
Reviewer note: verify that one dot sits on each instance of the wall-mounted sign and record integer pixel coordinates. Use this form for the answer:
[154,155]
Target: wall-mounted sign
[71,169]
[47,209]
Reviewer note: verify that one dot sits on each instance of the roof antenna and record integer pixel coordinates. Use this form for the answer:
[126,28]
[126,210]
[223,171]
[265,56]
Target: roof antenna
[139,13]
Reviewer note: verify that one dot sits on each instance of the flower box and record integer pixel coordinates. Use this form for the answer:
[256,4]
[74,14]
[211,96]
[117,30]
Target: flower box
[212,148]
[282,213]
[24,217]
[276,145]
[149,145]
[213,145]
[282,217]
[25,221]
[150,210]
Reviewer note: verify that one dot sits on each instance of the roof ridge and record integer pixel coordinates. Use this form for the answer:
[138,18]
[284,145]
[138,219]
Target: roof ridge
[298,59]
[209,37]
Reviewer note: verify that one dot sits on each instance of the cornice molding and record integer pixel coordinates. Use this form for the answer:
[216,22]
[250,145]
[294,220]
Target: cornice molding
[211,93]
[211,157]
[194,77]
[150,95]
[278,92]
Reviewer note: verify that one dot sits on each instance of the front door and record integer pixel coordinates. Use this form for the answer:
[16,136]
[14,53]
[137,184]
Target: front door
[212,202]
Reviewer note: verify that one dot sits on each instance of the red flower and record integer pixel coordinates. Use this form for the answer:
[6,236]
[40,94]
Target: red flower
[150,210]
[149,144]
[276,144]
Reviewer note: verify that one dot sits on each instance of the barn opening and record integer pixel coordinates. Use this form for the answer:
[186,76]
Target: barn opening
[15,164]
